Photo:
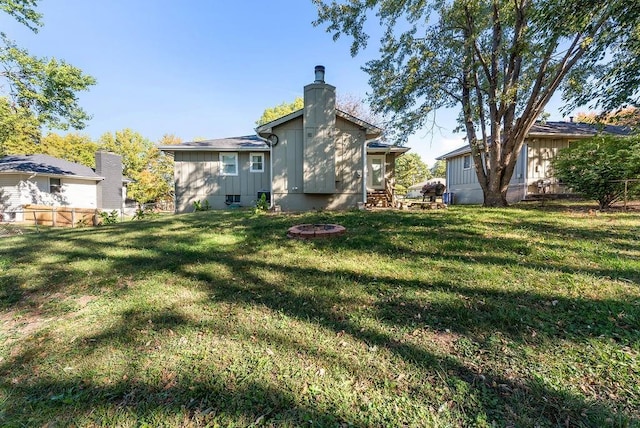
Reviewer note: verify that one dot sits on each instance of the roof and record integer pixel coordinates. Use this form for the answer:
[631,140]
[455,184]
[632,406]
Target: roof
[46,165]
[371,130]
[249,143]
[571,129]
[556,129]
[377,146]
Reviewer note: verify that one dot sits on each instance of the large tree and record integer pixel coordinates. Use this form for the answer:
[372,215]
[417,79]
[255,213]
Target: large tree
[499,61]
[43,88]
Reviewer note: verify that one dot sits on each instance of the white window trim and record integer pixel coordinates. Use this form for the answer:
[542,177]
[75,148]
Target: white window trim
[235,154]
[251,164]
[463,158]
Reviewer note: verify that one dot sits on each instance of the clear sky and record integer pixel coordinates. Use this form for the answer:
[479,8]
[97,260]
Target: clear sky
[202,68]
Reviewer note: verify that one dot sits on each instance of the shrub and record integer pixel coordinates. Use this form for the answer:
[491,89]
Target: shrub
[595,167]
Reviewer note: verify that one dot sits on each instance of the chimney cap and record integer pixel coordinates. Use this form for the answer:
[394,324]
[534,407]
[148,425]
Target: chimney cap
[319,73]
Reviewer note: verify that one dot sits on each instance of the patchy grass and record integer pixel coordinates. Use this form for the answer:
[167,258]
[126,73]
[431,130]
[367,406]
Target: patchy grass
[465,317]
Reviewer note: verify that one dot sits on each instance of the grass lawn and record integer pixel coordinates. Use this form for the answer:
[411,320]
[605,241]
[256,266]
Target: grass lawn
[516,317]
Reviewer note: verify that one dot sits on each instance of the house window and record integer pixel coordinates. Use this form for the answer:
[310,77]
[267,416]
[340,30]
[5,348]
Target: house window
[232,199]
[54,185]
[257,162]
[228,164]
[466,162]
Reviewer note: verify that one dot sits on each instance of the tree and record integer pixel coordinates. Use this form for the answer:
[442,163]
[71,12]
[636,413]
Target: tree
[273,113]
[628,116]
[41,87]
[499,61]
[19,130]
[439,169]
[410,169]
[143,162]
[595,167]
[73,147]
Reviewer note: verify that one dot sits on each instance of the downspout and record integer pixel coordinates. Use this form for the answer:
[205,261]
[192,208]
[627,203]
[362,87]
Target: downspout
[364,171]
[269,144]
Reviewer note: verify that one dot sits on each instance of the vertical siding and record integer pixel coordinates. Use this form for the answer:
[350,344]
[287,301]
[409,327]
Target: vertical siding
[198,178]
[319,117]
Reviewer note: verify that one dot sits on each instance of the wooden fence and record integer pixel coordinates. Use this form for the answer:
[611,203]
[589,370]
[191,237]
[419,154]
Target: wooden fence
[60,216]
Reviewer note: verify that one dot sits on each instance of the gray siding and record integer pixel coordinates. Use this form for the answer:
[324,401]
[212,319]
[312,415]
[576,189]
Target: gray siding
[109,193]
[198,178]
[319,138]
[463,182]
[289,183]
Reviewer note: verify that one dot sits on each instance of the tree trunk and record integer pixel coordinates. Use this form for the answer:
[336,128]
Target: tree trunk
[494,195]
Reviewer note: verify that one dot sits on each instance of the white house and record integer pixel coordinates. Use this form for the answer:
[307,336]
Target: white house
[46,180]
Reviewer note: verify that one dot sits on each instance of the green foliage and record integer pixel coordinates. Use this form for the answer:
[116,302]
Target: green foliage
[410,169]
[500,62]
[144,212]
[595,167]
[439,169]
[201,206]
[19,130]
[262,204]
[35,91]
[46,87]
[112,217]
[273,113]
[143,162]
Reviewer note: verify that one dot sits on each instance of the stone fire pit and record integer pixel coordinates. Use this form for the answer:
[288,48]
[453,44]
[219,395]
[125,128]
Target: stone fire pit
[315,231]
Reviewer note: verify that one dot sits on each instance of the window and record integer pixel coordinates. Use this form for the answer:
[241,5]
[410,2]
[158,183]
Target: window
[54,185]
[228,164]
[257,162]
[232,199]
[466,162]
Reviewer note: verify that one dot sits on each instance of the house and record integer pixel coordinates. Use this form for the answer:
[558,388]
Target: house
[316,158]
[46,180]
[532,175]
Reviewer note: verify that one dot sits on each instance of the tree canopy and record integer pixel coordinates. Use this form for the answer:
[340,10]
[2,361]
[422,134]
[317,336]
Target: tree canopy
[499,61]
[143,162]
[276,112]
[410,169]
[37,91]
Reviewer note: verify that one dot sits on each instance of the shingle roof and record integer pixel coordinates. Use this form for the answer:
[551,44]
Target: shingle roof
[46,165]
[576,128]
[557,129]
[231,144]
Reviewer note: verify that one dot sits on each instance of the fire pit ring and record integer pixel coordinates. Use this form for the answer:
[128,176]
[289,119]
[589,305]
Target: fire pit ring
[315,231]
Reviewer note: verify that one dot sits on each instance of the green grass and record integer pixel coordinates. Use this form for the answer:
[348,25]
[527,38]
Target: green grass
[464,317]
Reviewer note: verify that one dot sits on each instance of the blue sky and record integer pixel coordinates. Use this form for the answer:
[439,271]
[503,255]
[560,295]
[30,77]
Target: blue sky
[202,68]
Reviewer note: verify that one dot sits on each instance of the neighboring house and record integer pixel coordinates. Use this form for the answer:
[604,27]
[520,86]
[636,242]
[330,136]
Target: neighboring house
[46,180]
[315,158]
[532,175]
[414,191]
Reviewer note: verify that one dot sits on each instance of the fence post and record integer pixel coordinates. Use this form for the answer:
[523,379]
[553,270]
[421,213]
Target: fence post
[73,217]
[53,216]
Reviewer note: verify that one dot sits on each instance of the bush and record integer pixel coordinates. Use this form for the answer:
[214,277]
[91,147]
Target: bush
[595,167]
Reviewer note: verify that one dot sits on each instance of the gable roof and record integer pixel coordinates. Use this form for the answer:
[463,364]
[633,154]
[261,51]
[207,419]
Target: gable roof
[46,165]
[249,143]
[372,131]
[556,129]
